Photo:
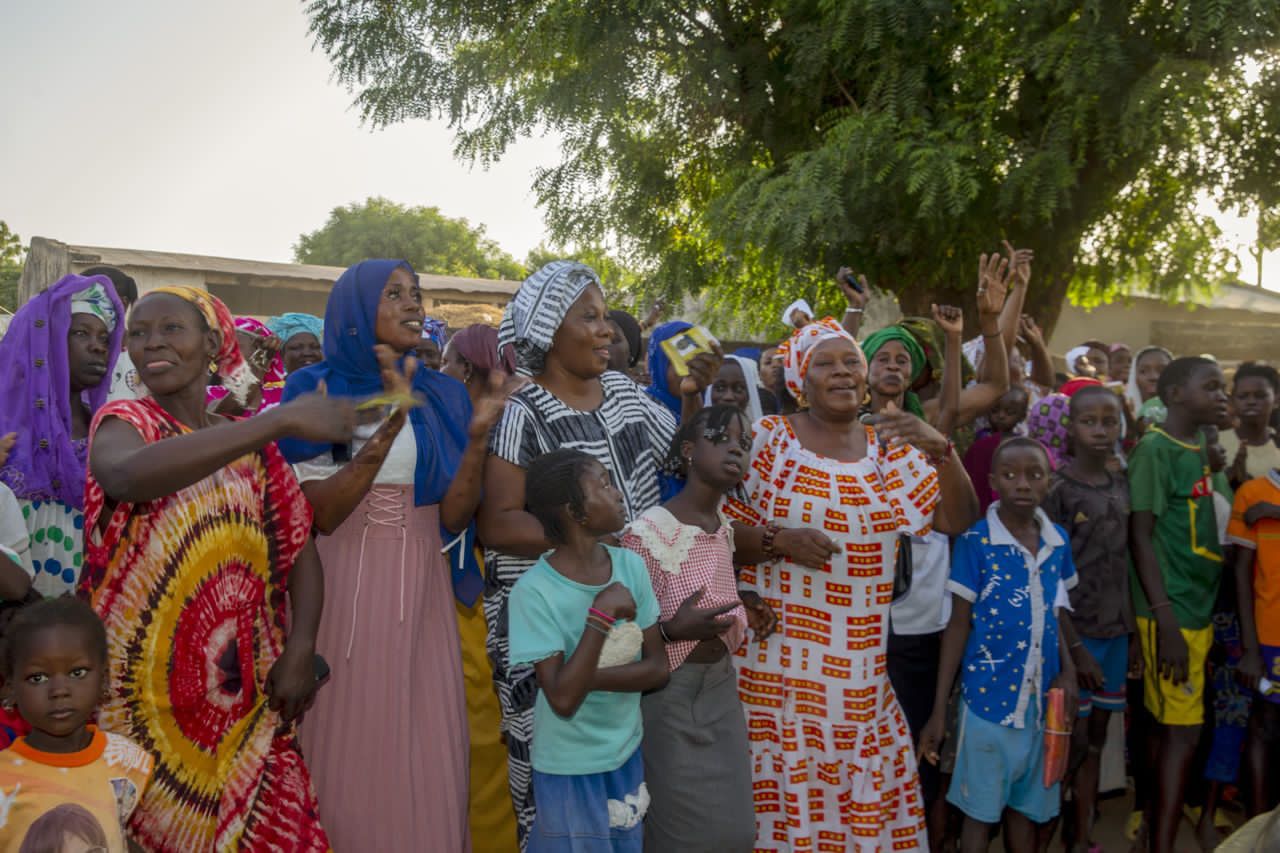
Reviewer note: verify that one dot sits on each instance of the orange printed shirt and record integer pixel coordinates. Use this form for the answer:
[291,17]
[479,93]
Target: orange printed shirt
[86,795]
[1264,540]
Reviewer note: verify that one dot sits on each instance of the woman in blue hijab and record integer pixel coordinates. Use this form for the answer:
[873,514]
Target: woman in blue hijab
[665,385]
[388,504]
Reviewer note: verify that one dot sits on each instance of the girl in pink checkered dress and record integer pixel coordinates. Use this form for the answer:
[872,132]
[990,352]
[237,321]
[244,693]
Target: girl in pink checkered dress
[696,754]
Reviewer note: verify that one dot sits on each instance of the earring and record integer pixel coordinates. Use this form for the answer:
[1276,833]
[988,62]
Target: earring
[213,367]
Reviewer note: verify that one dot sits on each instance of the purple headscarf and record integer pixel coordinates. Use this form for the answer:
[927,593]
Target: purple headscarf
[35,380]
[1049,422]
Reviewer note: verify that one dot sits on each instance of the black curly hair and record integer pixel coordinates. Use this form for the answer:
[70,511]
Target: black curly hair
[710,422]
[1258,370]
[52,612]
[552,484]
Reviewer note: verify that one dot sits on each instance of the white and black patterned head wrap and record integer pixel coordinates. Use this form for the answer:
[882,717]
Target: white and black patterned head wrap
[538,308]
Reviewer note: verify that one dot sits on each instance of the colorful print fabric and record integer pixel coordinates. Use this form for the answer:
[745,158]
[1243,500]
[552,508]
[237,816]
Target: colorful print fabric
[191,588]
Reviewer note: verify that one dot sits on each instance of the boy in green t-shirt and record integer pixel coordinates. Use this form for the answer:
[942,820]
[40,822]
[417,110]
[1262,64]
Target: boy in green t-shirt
[1178,563]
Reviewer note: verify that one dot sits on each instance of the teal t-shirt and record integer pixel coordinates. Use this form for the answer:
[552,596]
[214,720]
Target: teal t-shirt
[547,614]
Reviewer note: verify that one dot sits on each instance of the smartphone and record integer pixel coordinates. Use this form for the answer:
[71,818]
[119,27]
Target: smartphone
[852,280]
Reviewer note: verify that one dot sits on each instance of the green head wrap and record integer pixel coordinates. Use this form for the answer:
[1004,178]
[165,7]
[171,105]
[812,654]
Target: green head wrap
[877,339]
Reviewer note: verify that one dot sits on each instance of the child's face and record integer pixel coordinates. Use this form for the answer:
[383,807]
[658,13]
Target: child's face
[1095,424]
[1009,411]
[730,387]
[1150,366]
[722,460]
[57,682]
[1254,400]
[1204,396]
[602,507]
[1118,365]
[1020,477]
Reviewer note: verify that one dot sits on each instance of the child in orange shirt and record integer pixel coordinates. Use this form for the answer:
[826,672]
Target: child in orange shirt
[67,784]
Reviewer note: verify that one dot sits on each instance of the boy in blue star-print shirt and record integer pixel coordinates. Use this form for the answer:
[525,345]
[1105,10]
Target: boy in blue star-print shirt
[1010,574]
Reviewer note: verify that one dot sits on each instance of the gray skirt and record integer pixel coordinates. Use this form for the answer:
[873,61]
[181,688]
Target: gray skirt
[697,763]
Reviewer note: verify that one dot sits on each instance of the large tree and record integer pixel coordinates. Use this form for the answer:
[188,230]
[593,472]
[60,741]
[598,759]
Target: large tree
[746,147]
[426,238]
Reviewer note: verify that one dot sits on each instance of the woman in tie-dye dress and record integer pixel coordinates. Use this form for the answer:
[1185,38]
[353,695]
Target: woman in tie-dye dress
[196,533]
[825,500]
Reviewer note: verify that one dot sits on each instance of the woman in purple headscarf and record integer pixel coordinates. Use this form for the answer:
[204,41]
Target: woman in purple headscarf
[55,363]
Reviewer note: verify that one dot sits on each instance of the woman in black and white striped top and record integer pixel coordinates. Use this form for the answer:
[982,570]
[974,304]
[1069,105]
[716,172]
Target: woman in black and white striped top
[559,327]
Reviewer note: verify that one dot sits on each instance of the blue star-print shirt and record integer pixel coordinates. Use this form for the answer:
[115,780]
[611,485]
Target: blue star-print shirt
[1012,654]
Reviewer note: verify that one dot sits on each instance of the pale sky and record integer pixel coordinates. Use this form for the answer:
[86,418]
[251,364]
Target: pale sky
[213,128]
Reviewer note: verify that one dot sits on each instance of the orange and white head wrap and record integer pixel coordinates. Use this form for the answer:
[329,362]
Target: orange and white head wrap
[235,374]
[798,350]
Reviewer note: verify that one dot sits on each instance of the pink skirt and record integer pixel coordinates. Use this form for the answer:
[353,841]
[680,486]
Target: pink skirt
[387,738]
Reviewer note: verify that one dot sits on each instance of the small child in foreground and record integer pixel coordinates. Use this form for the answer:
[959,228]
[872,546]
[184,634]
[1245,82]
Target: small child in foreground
[1010,577]
[66,780]
[586,618]
[1091,504]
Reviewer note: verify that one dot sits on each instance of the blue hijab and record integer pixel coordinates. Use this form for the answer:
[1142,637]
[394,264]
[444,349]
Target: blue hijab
[658,363]
[350,369]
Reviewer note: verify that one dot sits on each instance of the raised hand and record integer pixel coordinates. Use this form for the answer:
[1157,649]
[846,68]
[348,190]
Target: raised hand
[703,368]
[895,427]
[493,400]
[949,318]
[397,384]
[993,284]
[851,295]
[318,417]
[1020,264]
[1029,331]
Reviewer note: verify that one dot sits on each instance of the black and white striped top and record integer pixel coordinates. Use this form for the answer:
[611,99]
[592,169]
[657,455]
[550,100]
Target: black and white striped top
[629,433]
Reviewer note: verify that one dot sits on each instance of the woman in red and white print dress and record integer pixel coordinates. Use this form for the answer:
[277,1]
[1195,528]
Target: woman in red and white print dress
[825,500]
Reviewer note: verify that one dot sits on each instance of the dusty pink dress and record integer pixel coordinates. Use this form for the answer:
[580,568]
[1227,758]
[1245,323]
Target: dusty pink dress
[387,738]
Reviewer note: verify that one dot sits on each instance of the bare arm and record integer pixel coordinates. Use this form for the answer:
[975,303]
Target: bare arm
[15,583]
[503,523]
[944,412]
[334,498]
[566,683]
[958,506]
[648,673]
[1171,646]
[291,682]
[1041,360]
[856,299]
[1250,669]
[994,275]
[133,471]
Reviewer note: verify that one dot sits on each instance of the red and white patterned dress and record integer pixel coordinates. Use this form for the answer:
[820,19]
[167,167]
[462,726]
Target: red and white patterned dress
[833,765]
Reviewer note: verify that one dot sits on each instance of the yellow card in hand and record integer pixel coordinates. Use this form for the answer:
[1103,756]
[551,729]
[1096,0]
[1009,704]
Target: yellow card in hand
[407,399]
[681,348]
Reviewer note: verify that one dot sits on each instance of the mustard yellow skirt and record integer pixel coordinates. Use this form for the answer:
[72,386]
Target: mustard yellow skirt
[493,822]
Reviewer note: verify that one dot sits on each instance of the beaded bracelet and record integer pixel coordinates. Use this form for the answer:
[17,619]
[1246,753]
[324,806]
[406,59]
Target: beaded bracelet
[766,544]
[944,457]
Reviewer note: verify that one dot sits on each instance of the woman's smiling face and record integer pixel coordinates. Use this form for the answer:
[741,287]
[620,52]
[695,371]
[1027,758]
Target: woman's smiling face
[398,323]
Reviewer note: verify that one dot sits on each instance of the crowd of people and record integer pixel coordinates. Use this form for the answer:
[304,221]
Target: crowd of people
[363,582]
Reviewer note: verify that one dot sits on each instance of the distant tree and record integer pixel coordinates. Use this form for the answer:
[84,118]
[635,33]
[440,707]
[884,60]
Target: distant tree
[745,148]
[426,238]
[11,257]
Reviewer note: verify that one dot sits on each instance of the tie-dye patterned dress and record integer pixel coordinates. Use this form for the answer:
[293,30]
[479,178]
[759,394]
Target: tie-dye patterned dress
[191,588]
[833,766]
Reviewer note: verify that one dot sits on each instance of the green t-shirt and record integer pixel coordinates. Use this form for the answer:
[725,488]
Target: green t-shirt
[1171,480]
[547,614]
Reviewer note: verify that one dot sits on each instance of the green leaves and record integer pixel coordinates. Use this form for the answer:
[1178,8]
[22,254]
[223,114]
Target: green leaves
[11,258]
[741,150]
[429,240]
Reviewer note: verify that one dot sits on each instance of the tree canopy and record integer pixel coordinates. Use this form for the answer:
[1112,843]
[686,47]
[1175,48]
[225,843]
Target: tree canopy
[426,238]
[744,148]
